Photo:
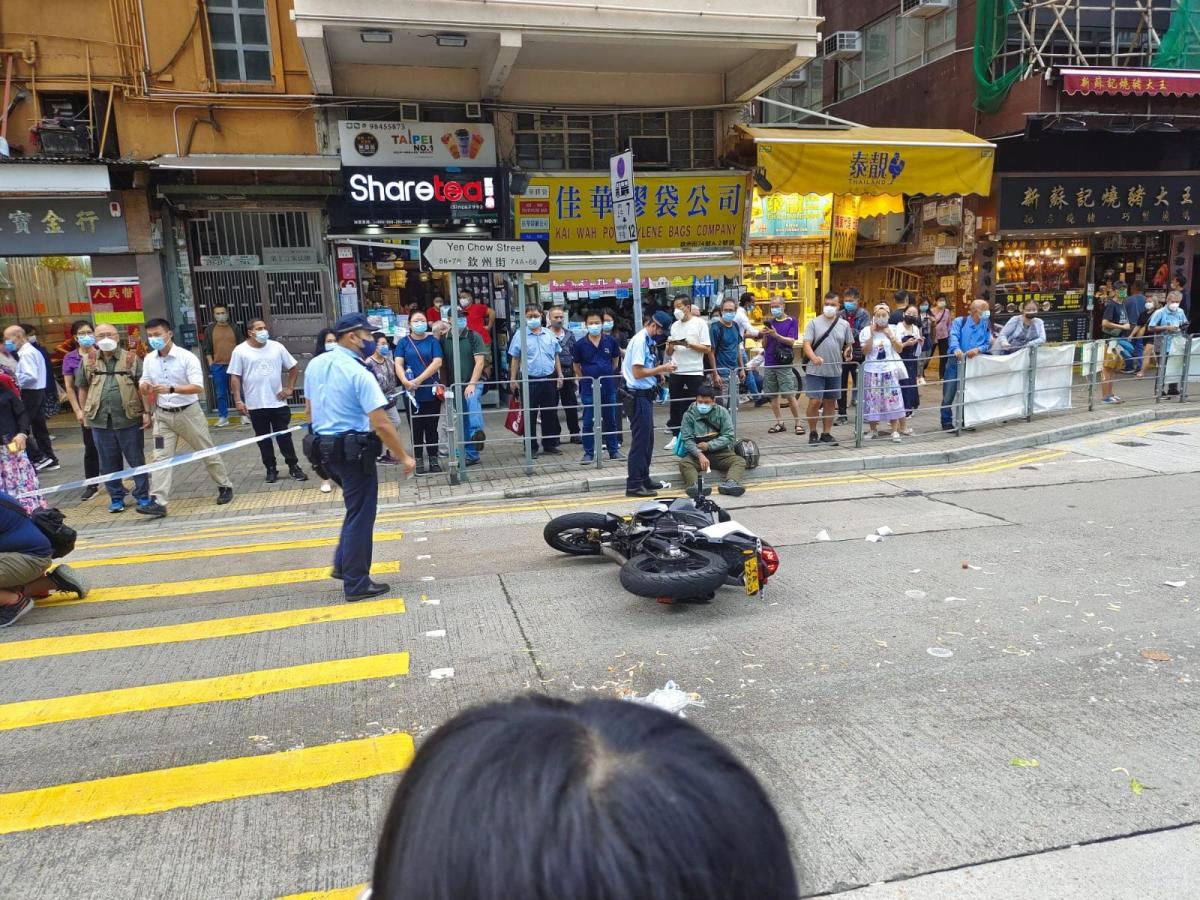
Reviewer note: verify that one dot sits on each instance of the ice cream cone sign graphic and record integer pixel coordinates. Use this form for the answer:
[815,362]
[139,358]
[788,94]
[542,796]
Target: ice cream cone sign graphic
[451,143]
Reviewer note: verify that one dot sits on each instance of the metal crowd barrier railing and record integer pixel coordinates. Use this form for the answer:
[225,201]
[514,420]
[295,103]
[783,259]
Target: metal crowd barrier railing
[1175,368]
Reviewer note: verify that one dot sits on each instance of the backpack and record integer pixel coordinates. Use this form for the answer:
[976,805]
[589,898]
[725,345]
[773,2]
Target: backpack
[52,523]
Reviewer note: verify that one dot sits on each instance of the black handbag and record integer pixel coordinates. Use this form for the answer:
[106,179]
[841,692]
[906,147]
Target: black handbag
[52,523]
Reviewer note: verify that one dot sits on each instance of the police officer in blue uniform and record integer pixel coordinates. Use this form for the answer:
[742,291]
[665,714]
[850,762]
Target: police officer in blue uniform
[641,385]
[349,430]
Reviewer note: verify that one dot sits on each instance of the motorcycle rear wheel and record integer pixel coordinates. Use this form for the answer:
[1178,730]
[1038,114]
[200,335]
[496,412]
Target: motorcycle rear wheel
[569,533]
[697,573]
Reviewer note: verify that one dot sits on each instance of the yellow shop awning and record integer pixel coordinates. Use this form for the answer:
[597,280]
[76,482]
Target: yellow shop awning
[873,160]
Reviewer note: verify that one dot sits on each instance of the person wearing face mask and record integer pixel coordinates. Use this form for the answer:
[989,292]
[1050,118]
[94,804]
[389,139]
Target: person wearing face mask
[729,351]
[544,367]
[566,394]
[706,437]
[116,413]
[433,314]
[471,356]
[827,344]
[33,377]
[1025,330]
[780,334]
[262,375]
[928,343]
[858,319]
[349,429]
[326,341]
[172,383]
[418,366]
[383,367]
[17,474]
[596,361]
[908,333]
[84,346]
[220,339]
[481,318]
[882,398]
[1142,330]
[970,335]
[942,319]
[1165,325]
[640,371]
[688,345]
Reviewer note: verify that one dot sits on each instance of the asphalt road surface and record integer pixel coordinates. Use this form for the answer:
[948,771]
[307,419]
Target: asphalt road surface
[1010,674]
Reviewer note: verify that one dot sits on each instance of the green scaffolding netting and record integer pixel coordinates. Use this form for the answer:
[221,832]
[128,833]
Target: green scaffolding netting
[991,31]
[1180,47]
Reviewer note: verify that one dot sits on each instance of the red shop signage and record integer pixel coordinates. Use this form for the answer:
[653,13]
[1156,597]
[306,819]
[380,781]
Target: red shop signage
[1131,82]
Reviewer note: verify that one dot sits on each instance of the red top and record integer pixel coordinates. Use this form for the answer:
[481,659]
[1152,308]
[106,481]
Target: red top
[432,315]
[477,316]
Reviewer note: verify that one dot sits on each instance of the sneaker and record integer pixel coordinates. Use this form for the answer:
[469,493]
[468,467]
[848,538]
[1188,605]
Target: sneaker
[829,439]
[374,589]
[921,381]
[670,445]
[641,492]
[907,432]
[272,476]
[435,467]
[9,614]
[617,454]
[1113,400]
[576,440]
[297,473]
[813,437]
[552,451]
[841,420]
[89,492]
[151,508]
[473,462]
[326,487]
[587,459]
[116,506]
[222,423]
[47,464]
[896,439]
[731,488]
[387,460]
[224,495]
[871,434]
[69,581]
[420,470]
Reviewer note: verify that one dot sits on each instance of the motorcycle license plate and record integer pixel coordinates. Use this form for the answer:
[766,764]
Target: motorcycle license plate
[750,570]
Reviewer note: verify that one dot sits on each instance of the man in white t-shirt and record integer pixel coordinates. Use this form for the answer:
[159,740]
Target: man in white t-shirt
[256,371]
[688,345]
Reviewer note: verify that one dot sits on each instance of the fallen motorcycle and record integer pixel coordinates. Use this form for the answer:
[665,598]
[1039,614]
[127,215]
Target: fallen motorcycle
[677,548]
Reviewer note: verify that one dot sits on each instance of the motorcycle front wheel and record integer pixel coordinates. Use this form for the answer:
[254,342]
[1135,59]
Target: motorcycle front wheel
[695,573]
[573,532]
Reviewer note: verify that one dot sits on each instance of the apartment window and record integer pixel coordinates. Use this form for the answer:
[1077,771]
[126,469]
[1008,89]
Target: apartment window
[241,44]
[894,46]
[552,142]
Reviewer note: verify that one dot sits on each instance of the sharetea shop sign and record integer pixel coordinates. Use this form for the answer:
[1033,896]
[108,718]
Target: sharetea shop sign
[404,196]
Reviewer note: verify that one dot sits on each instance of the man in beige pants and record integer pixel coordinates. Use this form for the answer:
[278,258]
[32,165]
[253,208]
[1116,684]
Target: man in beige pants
[172,383]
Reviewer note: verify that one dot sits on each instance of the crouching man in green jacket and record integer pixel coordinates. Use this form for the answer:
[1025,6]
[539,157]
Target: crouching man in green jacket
[706,442]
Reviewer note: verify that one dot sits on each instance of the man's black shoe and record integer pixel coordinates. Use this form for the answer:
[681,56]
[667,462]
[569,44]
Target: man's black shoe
[731,488]
[68,580]
[336,575]
[552,451]
[296,472]
[224,495]
[421,470]
[841,420]
[813,437]
[948,428]
[89,492]
[472,462]
[272,476]
[641,492]
[434,465]
[152,509]
[576,440]
[374,589]
[829,439]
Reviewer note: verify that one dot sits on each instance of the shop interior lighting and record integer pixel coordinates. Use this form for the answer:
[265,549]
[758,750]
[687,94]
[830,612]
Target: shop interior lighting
[375,36]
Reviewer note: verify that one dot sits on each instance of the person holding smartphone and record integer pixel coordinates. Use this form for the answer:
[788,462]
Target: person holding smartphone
[688,346]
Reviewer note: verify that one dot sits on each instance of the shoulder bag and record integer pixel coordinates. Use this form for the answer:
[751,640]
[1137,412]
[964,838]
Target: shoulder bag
[52,524]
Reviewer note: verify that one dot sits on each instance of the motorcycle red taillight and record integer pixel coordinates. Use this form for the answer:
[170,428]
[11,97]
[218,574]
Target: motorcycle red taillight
[770,559]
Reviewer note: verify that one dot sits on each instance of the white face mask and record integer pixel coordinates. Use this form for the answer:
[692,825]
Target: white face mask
[262,335]
[679,315]
[830,311]
[881,320]
[1173,307]
[464,302]
[108,345]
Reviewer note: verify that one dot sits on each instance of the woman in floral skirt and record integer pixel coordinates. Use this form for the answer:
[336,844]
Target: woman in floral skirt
[884,401]
[17,474]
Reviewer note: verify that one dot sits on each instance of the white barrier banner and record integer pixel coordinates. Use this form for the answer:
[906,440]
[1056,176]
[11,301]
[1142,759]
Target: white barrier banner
[1053,378]
[994,387]
[1173,347]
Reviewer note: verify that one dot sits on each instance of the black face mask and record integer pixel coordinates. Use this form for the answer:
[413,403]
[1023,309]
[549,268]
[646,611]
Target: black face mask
[1030,315]
[910,319]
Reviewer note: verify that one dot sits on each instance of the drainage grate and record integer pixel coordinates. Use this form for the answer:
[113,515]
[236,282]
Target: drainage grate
[1131,444]
[1171,433]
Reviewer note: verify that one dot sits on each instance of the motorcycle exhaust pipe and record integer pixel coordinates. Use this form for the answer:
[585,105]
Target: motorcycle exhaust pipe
[612,554]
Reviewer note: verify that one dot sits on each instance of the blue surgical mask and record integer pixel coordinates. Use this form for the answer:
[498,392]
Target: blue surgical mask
[157,343]
[728,317]
[262,335]
[534,324]
[608,326]
[703,408]
[87,340]
[460,324]
[777,311]
[383,348]
[594,329]
[420,327]
[985,315]
[924,307]
[850,305]
[10,346]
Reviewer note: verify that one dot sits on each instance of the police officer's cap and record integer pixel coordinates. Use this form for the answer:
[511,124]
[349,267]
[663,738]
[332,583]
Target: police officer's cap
[662,320]
[352,322]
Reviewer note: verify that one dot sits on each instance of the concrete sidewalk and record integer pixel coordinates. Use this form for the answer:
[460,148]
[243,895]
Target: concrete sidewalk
[503,475]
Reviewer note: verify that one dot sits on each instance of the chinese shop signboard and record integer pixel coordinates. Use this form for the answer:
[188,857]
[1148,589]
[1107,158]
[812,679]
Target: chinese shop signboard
[1150,200]
[62,226]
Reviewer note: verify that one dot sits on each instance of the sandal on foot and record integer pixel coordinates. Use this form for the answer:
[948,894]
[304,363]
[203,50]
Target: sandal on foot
[777,428]
[799,429]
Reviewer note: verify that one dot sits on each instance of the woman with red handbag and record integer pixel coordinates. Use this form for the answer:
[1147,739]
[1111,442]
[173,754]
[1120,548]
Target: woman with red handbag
[417,367]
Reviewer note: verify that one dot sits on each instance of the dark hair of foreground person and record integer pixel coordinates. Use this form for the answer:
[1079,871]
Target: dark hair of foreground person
[541,799]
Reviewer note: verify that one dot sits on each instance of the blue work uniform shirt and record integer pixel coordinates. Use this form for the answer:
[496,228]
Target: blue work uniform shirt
[342,393]
[642,351]
[596,360]
[542,348]
[966,335]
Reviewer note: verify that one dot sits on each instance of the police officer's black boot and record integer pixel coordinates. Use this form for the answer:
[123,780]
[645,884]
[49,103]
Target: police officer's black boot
[272,475]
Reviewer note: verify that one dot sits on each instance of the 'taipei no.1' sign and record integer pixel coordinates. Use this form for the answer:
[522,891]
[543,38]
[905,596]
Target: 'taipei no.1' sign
[460,254]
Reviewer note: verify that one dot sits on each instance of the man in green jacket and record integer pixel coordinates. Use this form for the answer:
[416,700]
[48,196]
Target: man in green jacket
[706,436]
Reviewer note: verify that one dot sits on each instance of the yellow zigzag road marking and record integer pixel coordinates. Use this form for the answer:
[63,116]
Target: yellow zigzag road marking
[196,631]
[29,713]
[160,790]
[236,550]
[208,585]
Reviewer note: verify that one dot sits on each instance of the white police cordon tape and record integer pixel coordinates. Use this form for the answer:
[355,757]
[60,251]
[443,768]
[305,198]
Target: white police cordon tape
[158,466]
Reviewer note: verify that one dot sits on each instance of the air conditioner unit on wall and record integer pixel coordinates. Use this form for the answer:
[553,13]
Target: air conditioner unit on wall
[798,76]
[923,9]
[843,45]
